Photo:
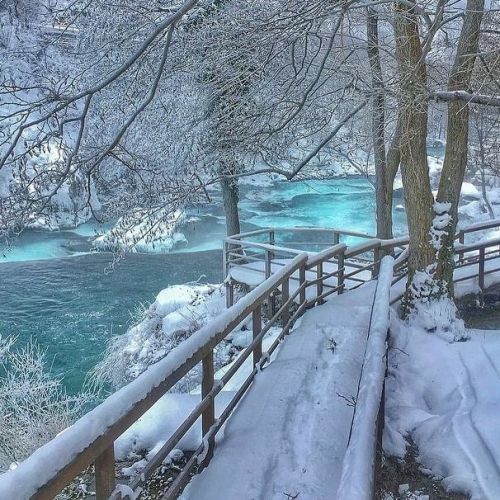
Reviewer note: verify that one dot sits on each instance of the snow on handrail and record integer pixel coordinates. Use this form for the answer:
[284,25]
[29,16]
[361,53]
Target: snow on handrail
[363,247]
[358,466]
[97,429]
[325,255]
[263,246]
[476,246]
[478,226]
[298,229]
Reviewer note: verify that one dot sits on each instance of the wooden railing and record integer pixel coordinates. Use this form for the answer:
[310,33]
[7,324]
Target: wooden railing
[85,443]
[474,255]
[350,266]
[91,439]
[361,460]
[299,281]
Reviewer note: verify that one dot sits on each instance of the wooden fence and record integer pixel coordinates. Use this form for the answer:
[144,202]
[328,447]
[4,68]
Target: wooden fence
[299,280]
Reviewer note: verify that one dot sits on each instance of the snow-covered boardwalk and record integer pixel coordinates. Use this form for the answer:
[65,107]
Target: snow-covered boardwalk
[298,419]
[289,434]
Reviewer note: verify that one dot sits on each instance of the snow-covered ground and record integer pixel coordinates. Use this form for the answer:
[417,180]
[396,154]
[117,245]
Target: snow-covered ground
[446,398]
[443,396]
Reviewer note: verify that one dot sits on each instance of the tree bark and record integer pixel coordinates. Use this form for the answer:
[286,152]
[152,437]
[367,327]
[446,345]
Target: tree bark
[455,160]
[230,195]
[383,186]
[414,168]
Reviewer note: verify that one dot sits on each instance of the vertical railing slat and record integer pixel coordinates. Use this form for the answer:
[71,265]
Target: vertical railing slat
[461,239]
[481,269]
[268,263]
[105,473]
[319,284]
[302,280]
[377,253]
[257,328]
[208,415]
[340,273]
[285,295]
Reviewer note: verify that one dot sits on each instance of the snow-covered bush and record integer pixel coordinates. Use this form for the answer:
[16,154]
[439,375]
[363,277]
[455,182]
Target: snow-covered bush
[177,312]
[144,231]
[34,406]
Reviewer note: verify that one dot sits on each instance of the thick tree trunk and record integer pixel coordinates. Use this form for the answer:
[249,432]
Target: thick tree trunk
[455,160]
[230,196]
[383,186]
[414,168]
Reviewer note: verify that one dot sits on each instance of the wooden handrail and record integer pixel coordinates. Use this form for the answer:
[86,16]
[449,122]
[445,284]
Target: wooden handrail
[477,246]
[325,255]
[362,248]
[263,246]
[299,229]
[480,226]
[90,440]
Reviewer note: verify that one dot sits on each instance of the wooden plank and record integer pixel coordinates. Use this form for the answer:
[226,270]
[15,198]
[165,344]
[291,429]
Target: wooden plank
[302,283]
[105,473]
[208,415]
[481,269]
[285,295]
[340,278]
[229,294]
[268,263]
[319,284]
[461,239]
[257,328]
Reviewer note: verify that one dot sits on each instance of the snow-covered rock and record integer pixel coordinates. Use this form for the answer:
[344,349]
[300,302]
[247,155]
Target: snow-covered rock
[177,312]
[470,192]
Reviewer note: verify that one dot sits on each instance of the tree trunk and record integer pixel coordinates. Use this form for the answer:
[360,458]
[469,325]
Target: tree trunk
[455,160]
[383,187]
[230,196]
[414,168]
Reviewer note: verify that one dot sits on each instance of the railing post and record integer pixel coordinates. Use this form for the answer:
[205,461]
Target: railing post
[319,284]
[340,272]
[257,328]
[225,260]
[461,239]
[105,473]
[302,280]
[271,237]
[269,256]
[208,415]
[268,263]
[481,269]
[229,294]
[336,237]
[285,295]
